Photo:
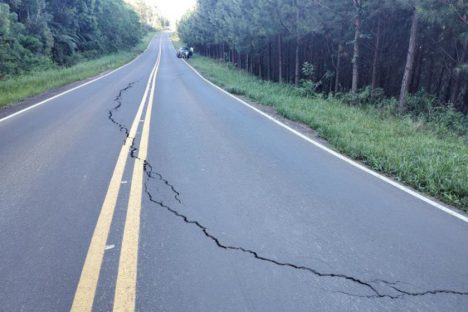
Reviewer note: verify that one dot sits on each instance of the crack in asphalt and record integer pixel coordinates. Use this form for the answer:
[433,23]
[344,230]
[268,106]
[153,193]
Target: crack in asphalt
[150,174]
[118,99]
[369,285]
[122,127]
[366,284]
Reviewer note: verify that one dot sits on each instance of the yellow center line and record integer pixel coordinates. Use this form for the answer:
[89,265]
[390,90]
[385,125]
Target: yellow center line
[86,289]
[125,289]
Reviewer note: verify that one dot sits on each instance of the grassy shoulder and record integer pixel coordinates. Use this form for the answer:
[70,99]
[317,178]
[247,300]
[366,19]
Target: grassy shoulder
[18,88]
[398,147]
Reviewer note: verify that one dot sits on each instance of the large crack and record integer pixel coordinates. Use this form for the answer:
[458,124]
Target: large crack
[123,128]
[111,112]
[371,286]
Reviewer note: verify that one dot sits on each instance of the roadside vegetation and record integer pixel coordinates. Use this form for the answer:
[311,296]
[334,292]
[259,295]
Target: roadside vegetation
[392,47]
[45,44]
[23,86]
[428,156]
[385,82]
[176,41]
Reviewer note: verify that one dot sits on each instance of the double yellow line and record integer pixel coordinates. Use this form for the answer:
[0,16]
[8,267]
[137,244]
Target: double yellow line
[125,292]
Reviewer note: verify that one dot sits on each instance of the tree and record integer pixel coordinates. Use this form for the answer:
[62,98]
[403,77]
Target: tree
[358,6]
[409,61]
[396,47]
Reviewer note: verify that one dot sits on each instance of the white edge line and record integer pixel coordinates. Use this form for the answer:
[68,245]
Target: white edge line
[338,155]
[77,87]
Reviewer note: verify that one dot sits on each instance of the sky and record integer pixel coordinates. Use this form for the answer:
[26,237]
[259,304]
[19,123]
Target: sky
[173,9]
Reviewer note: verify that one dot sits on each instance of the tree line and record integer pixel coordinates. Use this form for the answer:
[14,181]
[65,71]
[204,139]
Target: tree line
[36,34]
[384,47]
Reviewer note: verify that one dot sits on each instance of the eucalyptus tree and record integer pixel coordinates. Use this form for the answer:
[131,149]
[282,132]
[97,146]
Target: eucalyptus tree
[299,18]
[453,15]
[379,43]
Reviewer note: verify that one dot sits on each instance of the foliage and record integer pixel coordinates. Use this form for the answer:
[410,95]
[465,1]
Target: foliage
[149,14]
[19,87]
[365,41]
[422,107]
[19,51]
[39,34]
[311,84]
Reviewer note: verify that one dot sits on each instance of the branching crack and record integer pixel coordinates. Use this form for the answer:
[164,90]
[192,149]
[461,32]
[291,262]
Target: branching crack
[369,285]
[150,173]
[393,291]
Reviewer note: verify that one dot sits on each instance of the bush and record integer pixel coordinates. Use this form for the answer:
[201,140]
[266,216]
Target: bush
[309,87]
[441,117]
[364,97]
[421,103]
[66,32]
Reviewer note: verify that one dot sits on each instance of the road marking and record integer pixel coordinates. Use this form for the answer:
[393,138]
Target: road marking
[75,88]
[125,289]
[86,289]
[338,155]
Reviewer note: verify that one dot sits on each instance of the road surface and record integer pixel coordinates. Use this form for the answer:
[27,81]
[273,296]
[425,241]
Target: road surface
[151,190]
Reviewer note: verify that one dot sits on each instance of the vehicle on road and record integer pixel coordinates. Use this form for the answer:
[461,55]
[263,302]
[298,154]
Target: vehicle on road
[185,53]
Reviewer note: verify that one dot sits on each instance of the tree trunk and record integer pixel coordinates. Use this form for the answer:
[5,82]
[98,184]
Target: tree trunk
[296,63]
[439,83]
[430,75]
[416,76]
[409,62]
[455,88]
[296,54]
[463,103]
[457,77]
[376,55]
[280,61]
[417,79]
[269,62]
[260,63]
[338,67]
[354,84]
[448,87]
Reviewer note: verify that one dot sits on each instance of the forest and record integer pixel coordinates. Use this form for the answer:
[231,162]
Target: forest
[41,34]
[411,54]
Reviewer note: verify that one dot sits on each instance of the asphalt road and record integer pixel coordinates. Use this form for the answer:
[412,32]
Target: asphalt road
[206,206]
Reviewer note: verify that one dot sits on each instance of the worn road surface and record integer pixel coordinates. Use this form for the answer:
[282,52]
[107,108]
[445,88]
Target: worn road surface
[151,190]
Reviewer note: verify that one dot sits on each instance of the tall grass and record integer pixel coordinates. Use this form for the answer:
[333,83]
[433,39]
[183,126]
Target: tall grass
[398,147]
[18,88]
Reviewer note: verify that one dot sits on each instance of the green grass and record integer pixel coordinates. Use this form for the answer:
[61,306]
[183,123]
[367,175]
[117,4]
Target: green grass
[398,147]
[18,88]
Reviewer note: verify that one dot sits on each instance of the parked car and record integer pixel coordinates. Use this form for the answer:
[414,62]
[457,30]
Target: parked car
[185,53]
